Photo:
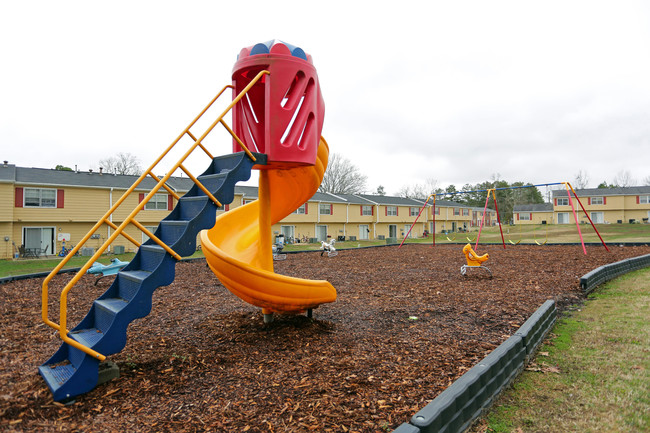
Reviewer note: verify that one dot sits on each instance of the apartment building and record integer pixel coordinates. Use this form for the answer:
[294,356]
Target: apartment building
[620,205]
[43,208]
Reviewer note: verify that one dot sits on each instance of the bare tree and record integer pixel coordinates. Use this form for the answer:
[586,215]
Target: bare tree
[623,179]
[581,180]
[419,190]
[646,181]
[342,177]
[122,163]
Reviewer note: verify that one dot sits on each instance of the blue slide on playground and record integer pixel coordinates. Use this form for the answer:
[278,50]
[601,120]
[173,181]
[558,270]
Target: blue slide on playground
[71,372]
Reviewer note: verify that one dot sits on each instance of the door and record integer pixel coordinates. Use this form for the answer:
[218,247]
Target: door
[407,227]
[321,233]
[392,231]
[563,218]
[597,217]
[288,232]
[39,238]
[363,232]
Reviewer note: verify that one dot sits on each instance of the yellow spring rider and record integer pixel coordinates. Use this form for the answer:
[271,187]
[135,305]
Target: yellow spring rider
[474,261]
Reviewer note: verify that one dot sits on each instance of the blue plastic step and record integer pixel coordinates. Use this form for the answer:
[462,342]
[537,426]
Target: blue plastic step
[70,371]
[190,207]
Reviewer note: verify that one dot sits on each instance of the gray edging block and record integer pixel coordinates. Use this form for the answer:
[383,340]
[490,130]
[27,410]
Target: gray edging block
[536,327]
[463,401]
[406,428]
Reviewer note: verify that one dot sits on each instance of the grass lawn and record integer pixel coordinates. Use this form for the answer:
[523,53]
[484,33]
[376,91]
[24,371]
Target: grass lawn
[567,233]
[592,374]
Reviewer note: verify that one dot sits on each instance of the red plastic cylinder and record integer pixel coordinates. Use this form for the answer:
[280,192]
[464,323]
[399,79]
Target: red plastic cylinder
[282,114]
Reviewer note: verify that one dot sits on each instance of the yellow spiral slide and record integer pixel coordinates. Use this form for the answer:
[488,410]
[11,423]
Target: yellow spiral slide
[239,246]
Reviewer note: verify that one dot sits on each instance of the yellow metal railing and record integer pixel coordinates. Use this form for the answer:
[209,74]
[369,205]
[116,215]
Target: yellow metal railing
[119,230]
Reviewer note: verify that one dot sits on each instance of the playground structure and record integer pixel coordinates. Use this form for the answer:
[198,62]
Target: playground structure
[492,191]
[102,270]
[474,261]
[277,111]
[328,247]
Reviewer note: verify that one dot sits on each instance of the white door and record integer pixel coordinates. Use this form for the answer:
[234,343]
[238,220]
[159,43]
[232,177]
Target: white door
[407,227]
[597,217]
[288,232]
[321,233]
[363,232]
[563,218]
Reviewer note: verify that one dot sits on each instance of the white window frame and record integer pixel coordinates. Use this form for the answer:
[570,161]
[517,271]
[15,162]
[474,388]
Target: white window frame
[324,209]
[40,198]
[158,202]
[644,199]
[391,210]
[366,210]
[465,212]
[597,200]
[564,215]
[301,210]
[414,211]
[562,201]
[524,216]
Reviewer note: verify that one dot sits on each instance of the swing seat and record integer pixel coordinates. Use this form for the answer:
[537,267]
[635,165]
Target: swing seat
[474,259]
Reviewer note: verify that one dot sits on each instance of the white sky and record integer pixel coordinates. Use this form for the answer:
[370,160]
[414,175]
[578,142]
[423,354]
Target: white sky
[451,91]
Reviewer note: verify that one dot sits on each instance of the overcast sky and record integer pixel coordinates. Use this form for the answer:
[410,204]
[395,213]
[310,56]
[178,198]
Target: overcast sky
[451,91]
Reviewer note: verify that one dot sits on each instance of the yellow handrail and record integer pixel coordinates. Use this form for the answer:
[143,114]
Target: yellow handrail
[119,230]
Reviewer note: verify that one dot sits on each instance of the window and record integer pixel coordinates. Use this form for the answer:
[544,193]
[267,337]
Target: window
[563,217]
[152,229]
[596,200]
[248,200]
[391,210]
[644,199]
[302,210]
[562,201]
[157,202]
[40,197]
[456,211]
[524,216]
[415,211]
[465,212]
[366,210]
[437,211]
[325,209]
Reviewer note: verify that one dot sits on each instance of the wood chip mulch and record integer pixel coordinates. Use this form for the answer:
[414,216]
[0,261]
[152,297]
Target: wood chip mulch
[406,325]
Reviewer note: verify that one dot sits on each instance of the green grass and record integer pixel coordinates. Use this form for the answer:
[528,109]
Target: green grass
[14,267]
[593,374]
[565,233]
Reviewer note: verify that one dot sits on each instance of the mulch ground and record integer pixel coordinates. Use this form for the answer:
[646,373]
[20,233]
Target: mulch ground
[406,324]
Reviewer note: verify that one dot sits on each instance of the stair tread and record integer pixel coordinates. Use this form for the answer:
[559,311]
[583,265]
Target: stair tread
[223,173]
[137,275]
[174,222]
[113,304]
[58,374]
[87,337]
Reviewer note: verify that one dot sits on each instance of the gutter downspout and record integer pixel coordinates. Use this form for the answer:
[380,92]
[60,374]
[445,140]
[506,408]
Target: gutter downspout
[110,217]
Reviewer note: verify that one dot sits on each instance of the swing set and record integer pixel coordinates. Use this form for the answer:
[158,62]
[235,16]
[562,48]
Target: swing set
[492,191]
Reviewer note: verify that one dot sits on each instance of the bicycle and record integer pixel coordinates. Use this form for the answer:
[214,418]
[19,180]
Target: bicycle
[65,251]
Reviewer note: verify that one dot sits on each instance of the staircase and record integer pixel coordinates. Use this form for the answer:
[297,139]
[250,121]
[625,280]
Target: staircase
[71,372]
